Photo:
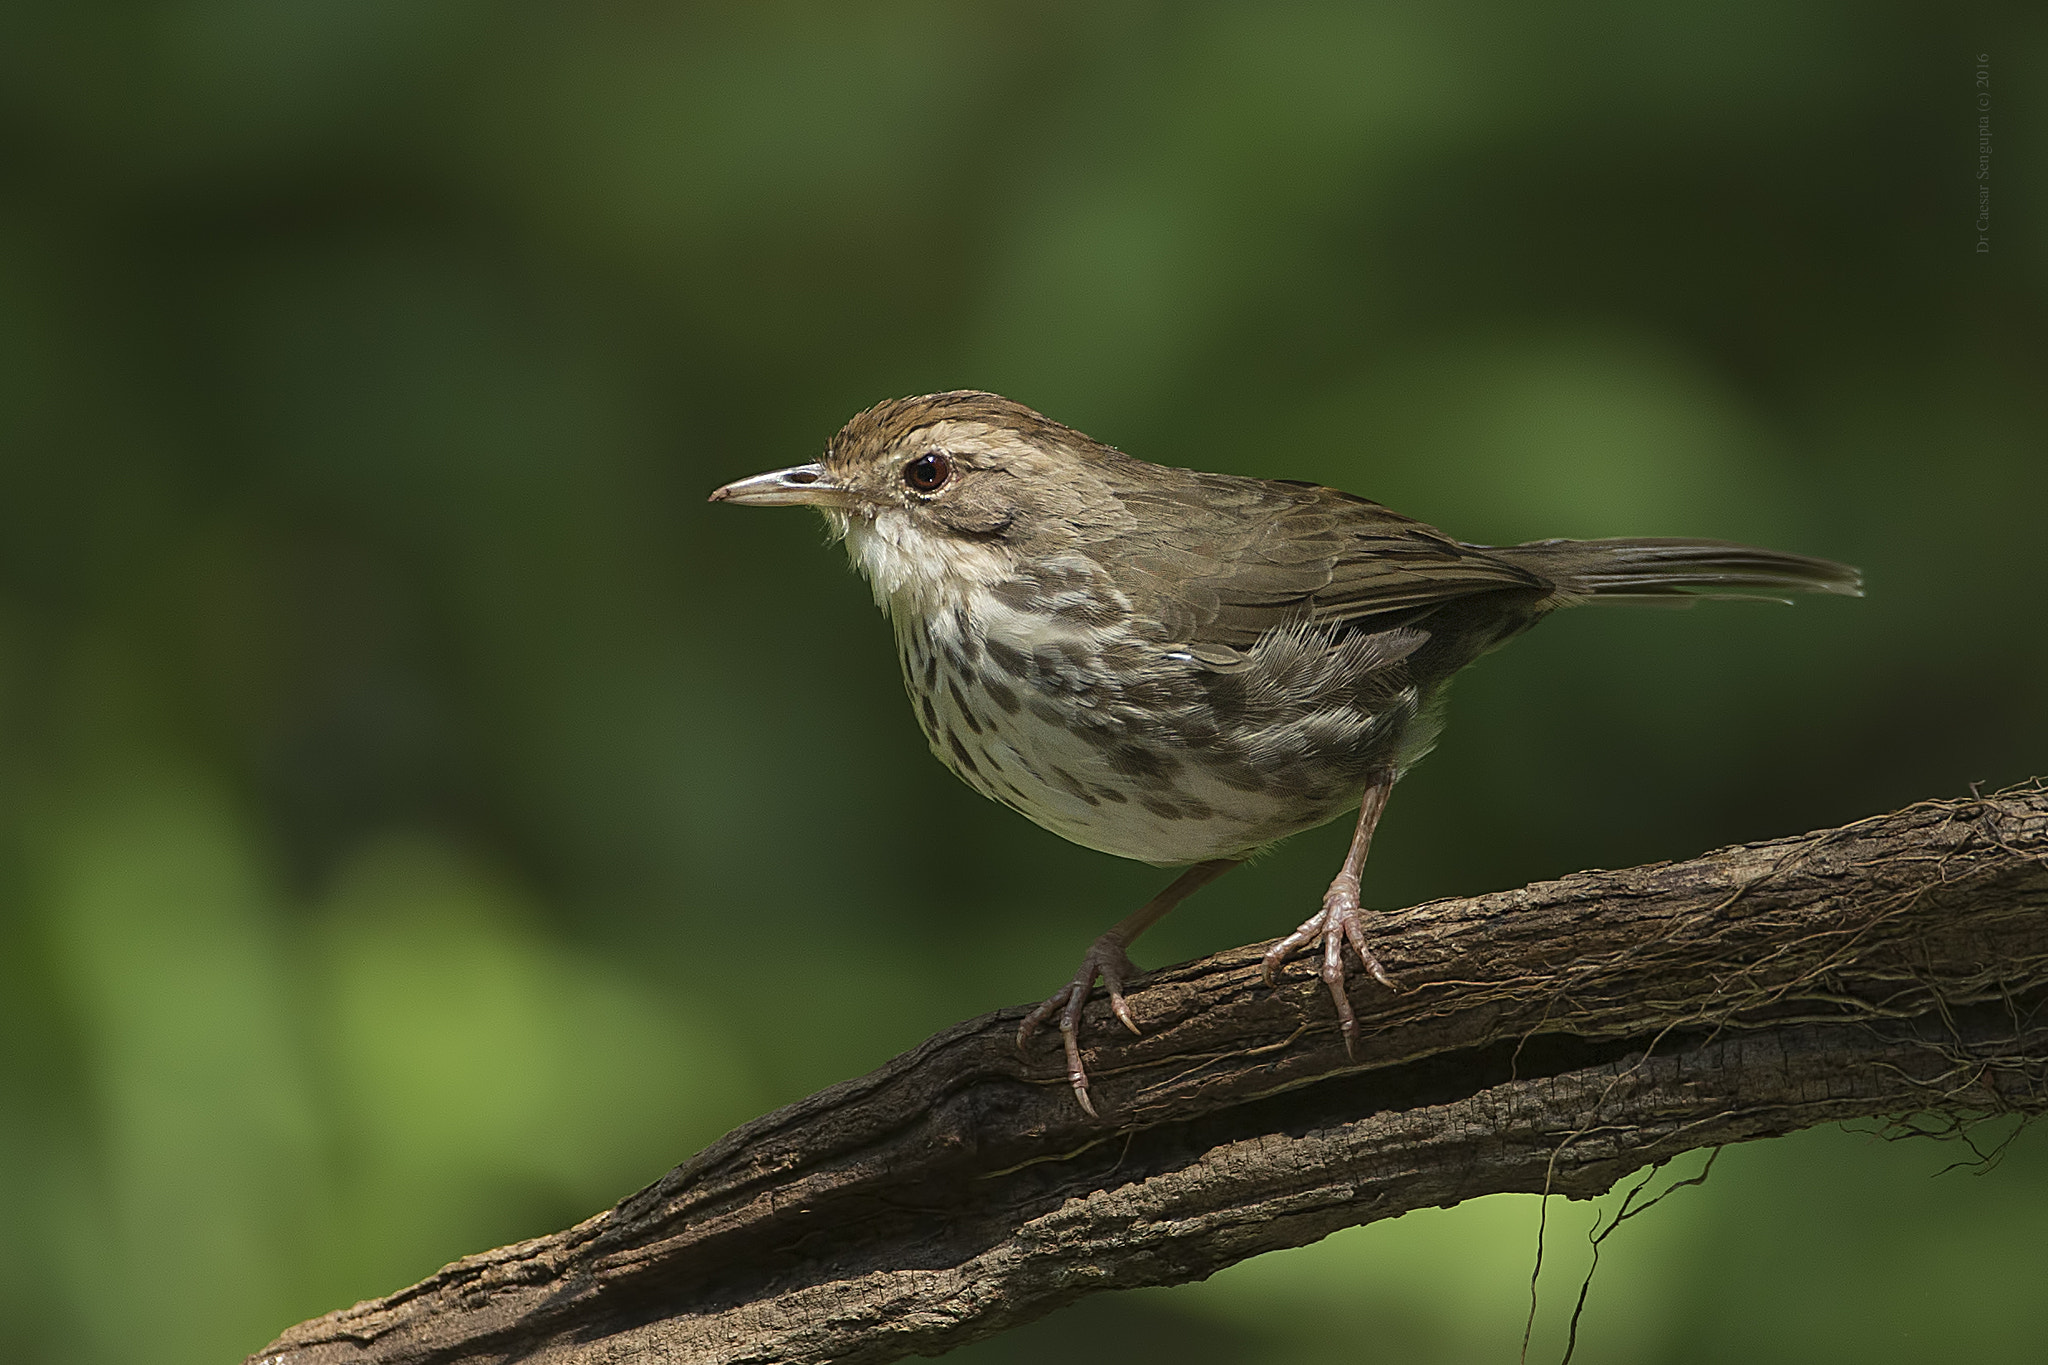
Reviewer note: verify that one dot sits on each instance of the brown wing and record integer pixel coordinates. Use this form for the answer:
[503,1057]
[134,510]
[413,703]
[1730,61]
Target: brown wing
[1233,558]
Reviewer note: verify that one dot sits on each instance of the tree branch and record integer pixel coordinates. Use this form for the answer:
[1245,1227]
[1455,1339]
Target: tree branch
[1556,1037]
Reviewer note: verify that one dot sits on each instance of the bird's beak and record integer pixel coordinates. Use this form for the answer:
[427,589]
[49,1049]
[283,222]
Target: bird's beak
[805,484]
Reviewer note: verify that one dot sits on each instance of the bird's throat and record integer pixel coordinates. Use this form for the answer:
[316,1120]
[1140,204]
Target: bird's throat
[916,571]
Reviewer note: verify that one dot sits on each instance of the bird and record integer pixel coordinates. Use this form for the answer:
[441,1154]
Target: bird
[1184,668]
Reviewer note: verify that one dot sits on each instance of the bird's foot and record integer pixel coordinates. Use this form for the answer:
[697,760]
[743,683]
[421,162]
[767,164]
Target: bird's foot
[1107,959]
[1336,924]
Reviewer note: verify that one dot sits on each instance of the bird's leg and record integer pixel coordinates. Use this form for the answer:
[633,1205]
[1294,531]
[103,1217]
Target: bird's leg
[1337,923]
[1107,959]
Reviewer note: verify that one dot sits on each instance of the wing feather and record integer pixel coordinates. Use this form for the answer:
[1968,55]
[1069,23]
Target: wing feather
[1239,557]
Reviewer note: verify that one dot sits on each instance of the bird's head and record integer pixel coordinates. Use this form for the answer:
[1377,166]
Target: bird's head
[939,494]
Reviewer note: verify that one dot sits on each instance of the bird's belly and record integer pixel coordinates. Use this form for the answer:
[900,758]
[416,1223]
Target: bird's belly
[1063,780]
[1085,761]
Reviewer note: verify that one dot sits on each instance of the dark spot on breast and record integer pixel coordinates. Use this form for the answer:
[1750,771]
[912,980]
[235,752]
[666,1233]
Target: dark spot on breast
[1099,733]
[964,632]
[931,669]
[959,749]
[1136,760]
[1011,660]
[1290,782]
[1048,713]
[1001,695]
[1165,810]
[1238,774]
[966,711]
[931,713]
[1112,794]
[1072,784]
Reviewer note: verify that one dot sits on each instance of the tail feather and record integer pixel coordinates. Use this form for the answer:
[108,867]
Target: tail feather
[1672,572]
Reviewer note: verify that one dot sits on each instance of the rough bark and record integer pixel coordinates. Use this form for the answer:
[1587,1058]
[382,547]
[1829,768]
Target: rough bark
[1556,1037]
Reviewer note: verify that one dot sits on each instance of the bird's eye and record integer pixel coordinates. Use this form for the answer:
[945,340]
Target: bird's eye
[928,473]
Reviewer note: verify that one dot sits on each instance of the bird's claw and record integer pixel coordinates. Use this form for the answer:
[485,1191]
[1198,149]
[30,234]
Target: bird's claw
[1106,959]
[1338,923]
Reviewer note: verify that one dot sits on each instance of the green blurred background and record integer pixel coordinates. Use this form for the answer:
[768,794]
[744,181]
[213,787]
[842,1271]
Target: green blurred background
[425,820]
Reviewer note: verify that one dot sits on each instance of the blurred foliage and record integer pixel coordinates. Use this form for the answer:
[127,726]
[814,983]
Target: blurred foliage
[425,820]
